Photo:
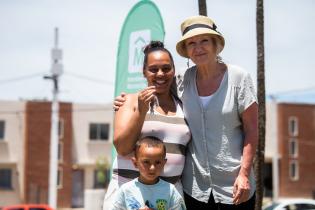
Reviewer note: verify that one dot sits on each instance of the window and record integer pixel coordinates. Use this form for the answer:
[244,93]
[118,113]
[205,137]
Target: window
[59,178]
[294,170]
[61,125]
[99,131]
[293,126]
[299,206]
[60,151]
[293,148]
[101,178]
[305,206]
[5,178]
[2,127]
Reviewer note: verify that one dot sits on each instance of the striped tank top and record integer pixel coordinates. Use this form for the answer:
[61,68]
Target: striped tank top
[175,134]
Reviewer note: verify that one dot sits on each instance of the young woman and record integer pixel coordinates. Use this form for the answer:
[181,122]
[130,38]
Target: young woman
[153,111]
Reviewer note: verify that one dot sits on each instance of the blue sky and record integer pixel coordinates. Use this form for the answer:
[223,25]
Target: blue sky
[89,32]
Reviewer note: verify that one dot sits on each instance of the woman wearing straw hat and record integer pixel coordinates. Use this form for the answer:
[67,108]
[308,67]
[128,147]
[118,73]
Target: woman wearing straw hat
[220,106]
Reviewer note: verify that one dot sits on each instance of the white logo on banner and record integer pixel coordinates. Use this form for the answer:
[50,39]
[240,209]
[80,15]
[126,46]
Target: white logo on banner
[137,41]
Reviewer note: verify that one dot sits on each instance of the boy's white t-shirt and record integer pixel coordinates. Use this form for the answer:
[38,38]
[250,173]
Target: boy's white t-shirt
[160,196]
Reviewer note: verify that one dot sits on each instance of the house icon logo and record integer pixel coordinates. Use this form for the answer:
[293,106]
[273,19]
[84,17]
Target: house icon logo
[137,41]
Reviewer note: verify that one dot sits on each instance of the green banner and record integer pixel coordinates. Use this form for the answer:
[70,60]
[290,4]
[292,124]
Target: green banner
[143,24]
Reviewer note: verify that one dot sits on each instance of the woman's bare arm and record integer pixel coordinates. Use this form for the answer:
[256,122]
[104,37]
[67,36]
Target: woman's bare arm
[129,120]
[250,126]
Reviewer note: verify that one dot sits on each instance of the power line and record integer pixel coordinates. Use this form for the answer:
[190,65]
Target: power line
[16,79]
[89,78]
[41,74]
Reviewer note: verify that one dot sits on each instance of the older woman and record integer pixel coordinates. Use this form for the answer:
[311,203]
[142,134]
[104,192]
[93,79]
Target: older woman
[220,107]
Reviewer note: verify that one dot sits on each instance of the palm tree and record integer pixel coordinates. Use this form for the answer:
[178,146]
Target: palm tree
[260,154]
[202,7]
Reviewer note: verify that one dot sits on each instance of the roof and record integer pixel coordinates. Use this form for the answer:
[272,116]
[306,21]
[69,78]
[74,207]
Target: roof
[305,96]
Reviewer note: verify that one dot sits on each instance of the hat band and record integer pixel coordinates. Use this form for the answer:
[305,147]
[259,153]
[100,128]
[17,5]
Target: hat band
[188,28]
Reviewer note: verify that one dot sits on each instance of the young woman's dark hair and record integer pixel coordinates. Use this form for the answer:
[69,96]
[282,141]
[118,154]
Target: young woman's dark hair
[155,46]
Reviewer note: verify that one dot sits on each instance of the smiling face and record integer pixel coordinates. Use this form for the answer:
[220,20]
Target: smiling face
[159,71]
[201,49]
[150,161]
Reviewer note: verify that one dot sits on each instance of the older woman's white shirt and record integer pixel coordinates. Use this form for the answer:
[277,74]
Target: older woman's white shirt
[214,155]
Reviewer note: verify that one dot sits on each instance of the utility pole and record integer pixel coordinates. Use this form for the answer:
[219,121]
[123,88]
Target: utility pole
[202,4]
[56,71]
[260,153]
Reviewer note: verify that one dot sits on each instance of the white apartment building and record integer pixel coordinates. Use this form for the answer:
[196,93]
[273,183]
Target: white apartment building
[24,151]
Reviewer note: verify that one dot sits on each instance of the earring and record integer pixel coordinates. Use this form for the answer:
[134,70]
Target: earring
[219,59]
[187,62]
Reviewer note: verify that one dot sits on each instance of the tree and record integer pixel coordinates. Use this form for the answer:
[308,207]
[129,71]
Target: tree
[260,154]
[202,7]
[102,165]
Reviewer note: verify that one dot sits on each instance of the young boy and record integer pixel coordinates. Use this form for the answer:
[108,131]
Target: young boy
[148,191]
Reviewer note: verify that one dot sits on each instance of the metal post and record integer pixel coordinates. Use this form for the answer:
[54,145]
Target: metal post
[56,70]
[53,169]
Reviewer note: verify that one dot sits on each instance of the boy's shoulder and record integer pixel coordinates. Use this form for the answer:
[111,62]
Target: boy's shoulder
[162,182]
[135,183]
[167,186]
[129,184]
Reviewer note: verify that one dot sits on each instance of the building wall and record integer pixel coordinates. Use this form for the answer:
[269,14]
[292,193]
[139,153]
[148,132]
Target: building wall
[271,131]
[64,193]
[11,149]
[86,152]
[271,151]
[26,145]
[10,196]
[37,149]
[304,186]
[37,140]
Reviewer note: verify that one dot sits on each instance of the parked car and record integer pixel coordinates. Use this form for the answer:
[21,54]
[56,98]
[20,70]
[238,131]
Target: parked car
[291,204]
[27,207]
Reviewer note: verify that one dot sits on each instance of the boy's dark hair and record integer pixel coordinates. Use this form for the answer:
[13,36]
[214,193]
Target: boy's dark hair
[150,141]
[155,46]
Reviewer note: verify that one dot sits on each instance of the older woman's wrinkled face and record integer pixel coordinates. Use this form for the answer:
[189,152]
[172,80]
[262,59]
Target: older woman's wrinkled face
[201,49]
[159,71]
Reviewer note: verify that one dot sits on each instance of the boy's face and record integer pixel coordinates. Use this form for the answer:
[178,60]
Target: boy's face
[150,161]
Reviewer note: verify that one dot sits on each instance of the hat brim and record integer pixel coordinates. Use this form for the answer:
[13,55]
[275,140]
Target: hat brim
[180,46]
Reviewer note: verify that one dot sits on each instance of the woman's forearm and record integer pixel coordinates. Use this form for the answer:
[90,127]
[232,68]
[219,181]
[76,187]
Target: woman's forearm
[250,128]
[127,132]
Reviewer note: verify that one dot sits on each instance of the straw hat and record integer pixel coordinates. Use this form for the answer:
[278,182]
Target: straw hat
[197,25]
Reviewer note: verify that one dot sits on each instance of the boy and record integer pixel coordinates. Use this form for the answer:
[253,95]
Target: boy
[148,191]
